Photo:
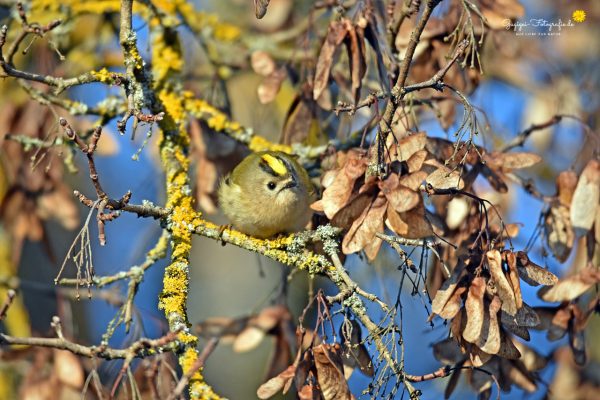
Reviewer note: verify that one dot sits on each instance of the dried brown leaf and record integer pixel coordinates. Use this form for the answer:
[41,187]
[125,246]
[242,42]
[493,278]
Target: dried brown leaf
[363,230]
[513,277]
[372,248]
[274,385]
[309,392]
[566,182]
[444,150]
[512,230]
[345,217]
[374,37]
[577,344]
[305,364]
[300,123]
[509,161]
[336,33]
[517,376]
[525,317]
[409,145]
[559,231]
[269,87]
[280,356]
[571,287]
[400,197]
[519,331]
[413,180]
[447,289]
[531,359]
[505,291]
[586,198]
[57,204]
[507,348]
[532,273]
[68,369]
[260,7]
[330,372]
[248,339]
[45,389]
[454,304]
[457,326]
[262,63]
[415,162]
[223,327]
[355,46]
[489,340]
[559,322]
[395,222]
[478,357]
[338,193]
[269,317]
[418,225]
[481,382]
[445,178]
[474,310]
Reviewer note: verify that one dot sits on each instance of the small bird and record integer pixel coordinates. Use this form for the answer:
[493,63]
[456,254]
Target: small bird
[267,193]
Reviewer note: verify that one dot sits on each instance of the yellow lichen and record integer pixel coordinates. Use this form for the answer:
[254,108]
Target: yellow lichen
[226,32]
[165,59]
[175,113]
[95,7]
[137,59]
[277,248]
[214,118]
[104,75]
[174,294]
[219,122]
[174,143]
[259,143]
[224,72]
[210,23]
[198,389]
[50,8]
[166,6]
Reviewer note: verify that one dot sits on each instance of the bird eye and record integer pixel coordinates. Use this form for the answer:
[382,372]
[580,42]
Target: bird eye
[271,185]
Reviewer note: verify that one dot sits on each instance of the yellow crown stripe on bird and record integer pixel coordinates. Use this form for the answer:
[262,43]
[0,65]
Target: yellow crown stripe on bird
[275,164]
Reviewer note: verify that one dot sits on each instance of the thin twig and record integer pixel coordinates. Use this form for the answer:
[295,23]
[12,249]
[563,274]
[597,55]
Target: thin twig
[520,139]
[436,81]
[139,349]
[10,296]
[198,364]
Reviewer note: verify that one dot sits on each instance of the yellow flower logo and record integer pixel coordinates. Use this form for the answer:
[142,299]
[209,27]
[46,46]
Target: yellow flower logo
[578,16]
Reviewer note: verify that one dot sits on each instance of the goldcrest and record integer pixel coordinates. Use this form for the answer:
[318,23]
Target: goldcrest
[267,193]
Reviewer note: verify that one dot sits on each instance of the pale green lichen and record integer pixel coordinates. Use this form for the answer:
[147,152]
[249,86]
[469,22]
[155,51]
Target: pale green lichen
[355,303]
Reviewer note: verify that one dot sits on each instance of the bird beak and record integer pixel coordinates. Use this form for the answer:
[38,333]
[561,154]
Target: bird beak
[291,184]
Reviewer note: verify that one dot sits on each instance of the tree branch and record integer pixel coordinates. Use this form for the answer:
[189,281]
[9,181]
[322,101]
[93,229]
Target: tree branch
[140,348]
[10,296]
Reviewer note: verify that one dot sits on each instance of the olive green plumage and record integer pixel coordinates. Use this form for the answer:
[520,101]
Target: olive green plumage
[267,193]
